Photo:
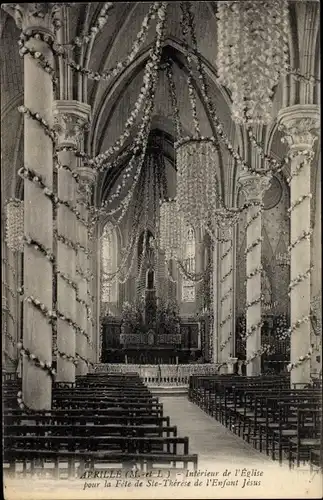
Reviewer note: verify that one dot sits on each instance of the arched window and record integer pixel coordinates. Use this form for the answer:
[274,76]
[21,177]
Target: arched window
[188,286]
[109,288]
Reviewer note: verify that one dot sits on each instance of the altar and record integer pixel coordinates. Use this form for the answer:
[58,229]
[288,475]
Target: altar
[151,347]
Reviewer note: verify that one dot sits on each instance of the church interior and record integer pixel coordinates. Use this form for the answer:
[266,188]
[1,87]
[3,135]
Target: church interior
[161,235]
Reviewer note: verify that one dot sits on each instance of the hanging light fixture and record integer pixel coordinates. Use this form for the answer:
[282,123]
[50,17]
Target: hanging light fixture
[171,227]
[197,182]
[252,53]
[15,224]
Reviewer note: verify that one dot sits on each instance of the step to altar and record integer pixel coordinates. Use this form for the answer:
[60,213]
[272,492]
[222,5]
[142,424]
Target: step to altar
[168,390]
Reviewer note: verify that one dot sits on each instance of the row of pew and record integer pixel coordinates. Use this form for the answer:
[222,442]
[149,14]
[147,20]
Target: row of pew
[283,422]
[102,421]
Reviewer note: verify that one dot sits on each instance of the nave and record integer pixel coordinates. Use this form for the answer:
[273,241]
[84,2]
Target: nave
[161,236]
[113,423]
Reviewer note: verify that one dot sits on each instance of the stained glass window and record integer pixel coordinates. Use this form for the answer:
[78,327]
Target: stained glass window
[109,264]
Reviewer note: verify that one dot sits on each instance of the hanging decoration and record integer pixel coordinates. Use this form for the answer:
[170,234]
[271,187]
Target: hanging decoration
[197,182]
[171,227]
[15,224]
[252,50]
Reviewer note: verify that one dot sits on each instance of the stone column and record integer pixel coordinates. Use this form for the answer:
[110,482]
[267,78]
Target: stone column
[38,210]
[226,295]
[84,342]
[214,327]
[70,118]
[253,188]
[9,309]
[299,123]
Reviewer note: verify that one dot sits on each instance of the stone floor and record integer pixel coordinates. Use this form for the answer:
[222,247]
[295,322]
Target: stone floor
[207,437]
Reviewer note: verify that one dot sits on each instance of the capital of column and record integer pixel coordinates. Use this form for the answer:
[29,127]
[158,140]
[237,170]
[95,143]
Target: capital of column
[299,124]
[254,186]
[41,17]
[71,119]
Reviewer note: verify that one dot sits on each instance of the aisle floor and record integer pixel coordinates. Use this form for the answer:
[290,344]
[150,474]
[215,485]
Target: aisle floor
[207,437]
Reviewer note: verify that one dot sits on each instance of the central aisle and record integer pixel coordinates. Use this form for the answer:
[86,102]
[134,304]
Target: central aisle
[208,438]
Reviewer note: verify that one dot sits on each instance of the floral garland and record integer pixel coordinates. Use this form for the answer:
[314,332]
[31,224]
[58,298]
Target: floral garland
[10,291]
[264,349]
[149,75]
[253,245]
[254,216]
[225,320]
[225,276]
[121,66]
[63,355]
[12,269]
[27,173]
[226,295]
[46,366]
[58,165]
[190,77]
[85,360]
[101,21]
[100,342]
[196,277]
[211,107]
[39,247]
[255,301]
[173,97]
[305,235]
[302,359]
[253,273]
[68,280]
[9,313]
[52,316]
[41,60]
[252,329]
[299,279]
[225,343]
[226,253]
[42,122]
[13,360]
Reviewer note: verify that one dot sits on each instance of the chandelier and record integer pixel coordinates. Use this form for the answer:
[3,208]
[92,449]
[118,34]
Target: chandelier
[252,53]
[15,225]
[171,226]
[197,183]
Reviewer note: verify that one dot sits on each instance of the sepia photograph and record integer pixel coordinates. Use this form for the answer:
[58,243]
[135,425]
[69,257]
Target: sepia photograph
[161,250]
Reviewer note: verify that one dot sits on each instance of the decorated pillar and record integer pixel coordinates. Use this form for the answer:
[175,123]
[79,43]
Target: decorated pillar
[13,246]
[84,341]
[253,187]
[214,320]
[38,22]
[226,294]
[70,118]
[299,124]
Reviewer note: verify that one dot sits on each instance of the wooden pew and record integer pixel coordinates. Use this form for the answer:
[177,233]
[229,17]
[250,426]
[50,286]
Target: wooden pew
[78,463]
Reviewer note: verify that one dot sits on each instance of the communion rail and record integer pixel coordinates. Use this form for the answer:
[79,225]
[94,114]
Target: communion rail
[159,374]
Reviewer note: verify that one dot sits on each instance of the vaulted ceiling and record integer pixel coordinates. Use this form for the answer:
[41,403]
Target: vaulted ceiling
[111,102]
